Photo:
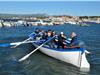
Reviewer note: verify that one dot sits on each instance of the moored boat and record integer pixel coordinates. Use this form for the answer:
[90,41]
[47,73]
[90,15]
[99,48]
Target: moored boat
[75,56]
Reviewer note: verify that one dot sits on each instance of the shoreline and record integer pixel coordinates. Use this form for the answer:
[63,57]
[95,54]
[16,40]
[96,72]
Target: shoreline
[46,21]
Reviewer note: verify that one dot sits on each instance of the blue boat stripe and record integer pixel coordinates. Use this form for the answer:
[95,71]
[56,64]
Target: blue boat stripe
[66,49]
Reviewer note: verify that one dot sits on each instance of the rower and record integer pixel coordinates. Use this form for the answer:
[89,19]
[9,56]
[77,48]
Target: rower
[55,40]
[39,34]
[74,41]
[37,30]
[49,34]
[61,40]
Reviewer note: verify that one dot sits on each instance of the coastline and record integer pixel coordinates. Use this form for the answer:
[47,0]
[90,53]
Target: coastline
[42,20]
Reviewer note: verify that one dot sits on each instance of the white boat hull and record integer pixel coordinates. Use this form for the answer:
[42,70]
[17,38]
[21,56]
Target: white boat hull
[73,57]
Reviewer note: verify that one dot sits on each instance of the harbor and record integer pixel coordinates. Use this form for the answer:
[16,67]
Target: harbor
[48,20]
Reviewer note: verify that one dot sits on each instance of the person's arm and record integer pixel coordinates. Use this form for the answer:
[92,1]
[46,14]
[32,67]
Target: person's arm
[68,40]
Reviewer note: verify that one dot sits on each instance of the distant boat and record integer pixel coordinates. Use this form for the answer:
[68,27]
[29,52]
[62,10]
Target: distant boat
[84,24]
[70,22]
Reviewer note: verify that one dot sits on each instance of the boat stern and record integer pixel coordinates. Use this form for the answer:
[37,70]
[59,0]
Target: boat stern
[84,65]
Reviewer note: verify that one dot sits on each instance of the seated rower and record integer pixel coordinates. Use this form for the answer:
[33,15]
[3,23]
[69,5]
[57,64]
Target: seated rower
[37,30]
[73,39]
[48,35]
[42,34]
[55,40]
[39,34]
[61,40]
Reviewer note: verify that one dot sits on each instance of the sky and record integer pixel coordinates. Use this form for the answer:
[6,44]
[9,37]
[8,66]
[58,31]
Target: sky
[73,8]
[49,0]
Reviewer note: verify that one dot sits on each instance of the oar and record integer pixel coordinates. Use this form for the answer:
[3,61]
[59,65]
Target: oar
[32,34]
[26,56]
[15,43]
[21,42]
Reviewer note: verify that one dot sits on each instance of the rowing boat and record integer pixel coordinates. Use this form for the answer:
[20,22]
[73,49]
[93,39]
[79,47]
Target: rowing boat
[75,56]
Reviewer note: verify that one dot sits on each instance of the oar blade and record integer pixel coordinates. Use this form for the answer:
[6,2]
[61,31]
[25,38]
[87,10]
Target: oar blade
[4,45]
[25,57]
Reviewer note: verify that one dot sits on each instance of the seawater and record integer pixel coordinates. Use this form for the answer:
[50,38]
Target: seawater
[41,64]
